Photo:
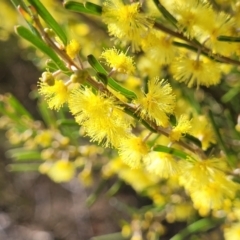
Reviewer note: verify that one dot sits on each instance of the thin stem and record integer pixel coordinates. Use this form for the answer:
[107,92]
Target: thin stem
[50,43]
[194,43]
[146,138]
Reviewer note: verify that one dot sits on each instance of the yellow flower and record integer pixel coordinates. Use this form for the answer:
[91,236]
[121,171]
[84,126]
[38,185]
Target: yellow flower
[207,184]
[161,164]
[196,173]
[44,138]
[100,116]
[191,71]
[158,47]
[182,127]
[218,24]
[61,171]
[192,15]
[158,102]
[86,177]
[73,48]
[118,61]
[55,95]
[202,129]
[126,22]
[132,151]
[232,232]
[129,175]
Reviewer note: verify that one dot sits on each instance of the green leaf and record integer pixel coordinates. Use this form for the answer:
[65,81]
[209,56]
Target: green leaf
[17,113]
[201,225]
[111,82]
[18,3]
[47,17]
[66,122]
[165,13]
[173,151]
[111,236]
[47,115]
[102,77]
[228,39]
[38,43]
[88,8]
[228,96]
[19,108]
[93,197]
[230,156]
[23,167]
[94,8]
[135,116]
[22,154]
[52,66]
[193,139]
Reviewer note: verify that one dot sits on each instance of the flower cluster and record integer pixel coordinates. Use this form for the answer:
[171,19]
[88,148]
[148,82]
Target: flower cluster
[164,107]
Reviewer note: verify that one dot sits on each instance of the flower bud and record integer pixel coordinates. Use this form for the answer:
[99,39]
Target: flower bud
[79,76]
[50,32]
[48,78]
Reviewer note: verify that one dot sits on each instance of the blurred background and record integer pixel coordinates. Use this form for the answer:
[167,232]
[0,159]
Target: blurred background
[32,207]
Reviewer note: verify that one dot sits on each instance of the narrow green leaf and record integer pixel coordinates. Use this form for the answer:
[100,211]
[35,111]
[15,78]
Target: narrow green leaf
[114,188]
[19,108]
[88,8]
[23,154]
[94,8]
[231,158]
[18,3]
[47,114]
[111,82]
[193,139]
[17,113]
[47,17]
[173,151]
[201,225]
[52,66]
[23,167]
[228,96]
[66,122]
[111,236]
[165,13]
[135,116]
[93,197]
[76,7]
[102,77]
[228,39]
[185,45]
[38,43]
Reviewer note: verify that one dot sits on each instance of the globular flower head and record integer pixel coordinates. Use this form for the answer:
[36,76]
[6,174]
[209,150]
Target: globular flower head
[159,47]
[161,164]
[183,126]
[158,102]
[103,121]
[55,95]
[73,48]
[232,232]
[59,171]
[192,16]
[132,151]
[207,184]
[118,61]
[196,71]
[202,129]
[126,22]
